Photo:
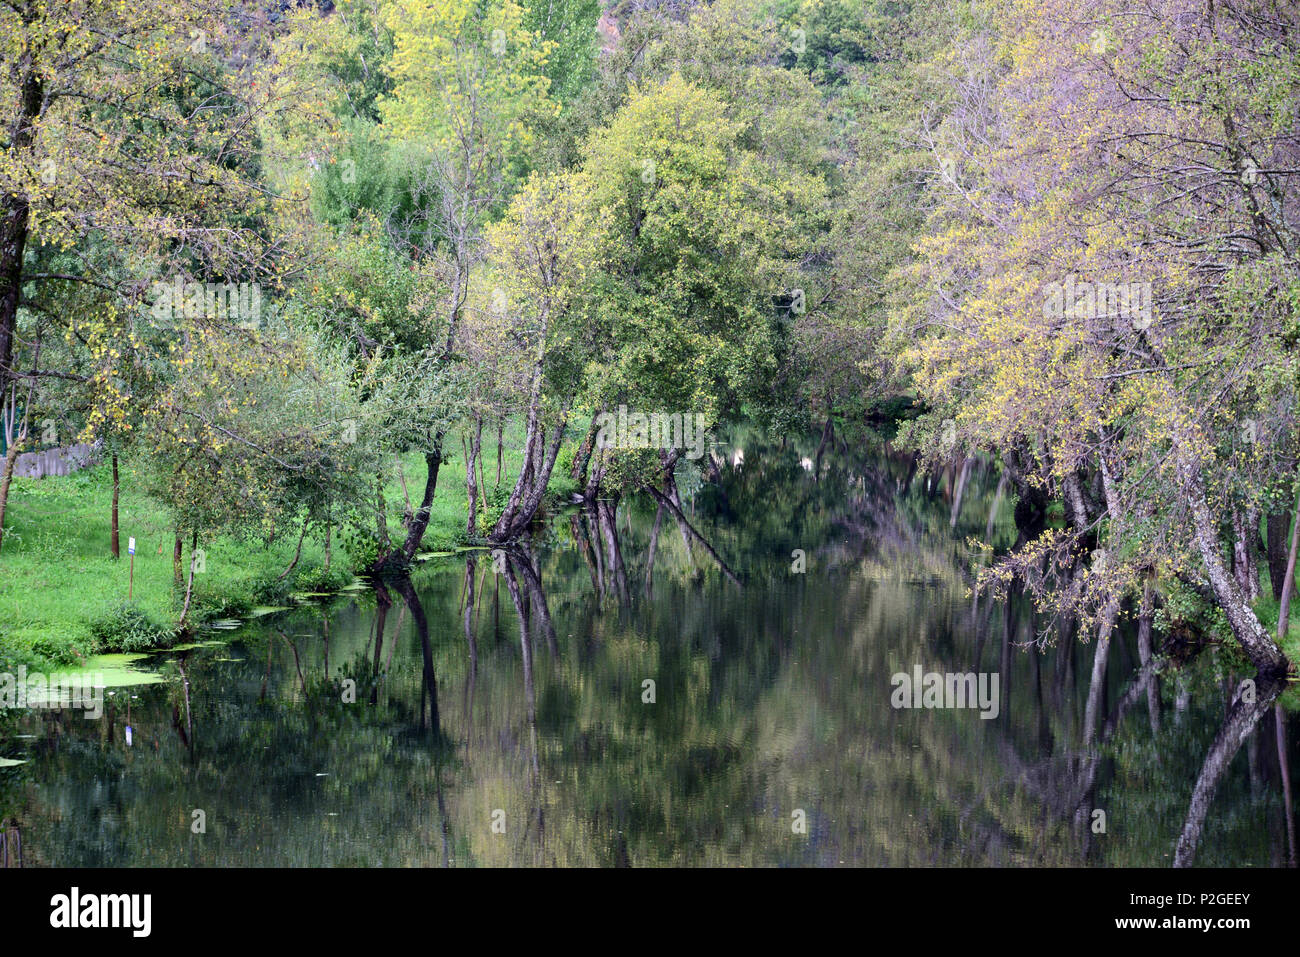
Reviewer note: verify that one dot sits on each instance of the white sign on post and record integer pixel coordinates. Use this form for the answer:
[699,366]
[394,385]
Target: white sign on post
[130,546]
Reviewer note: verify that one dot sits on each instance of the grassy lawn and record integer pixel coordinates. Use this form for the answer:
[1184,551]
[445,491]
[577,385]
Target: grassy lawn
[62,596]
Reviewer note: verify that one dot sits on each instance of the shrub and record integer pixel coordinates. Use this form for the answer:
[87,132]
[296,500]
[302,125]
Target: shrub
[127,628]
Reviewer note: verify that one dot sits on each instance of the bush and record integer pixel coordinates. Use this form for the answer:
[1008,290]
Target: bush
[318,579]
[127,628]
[61,647]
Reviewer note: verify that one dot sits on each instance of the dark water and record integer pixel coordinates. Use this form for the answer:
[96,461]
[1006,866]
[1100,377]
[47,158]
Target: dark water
[771,707]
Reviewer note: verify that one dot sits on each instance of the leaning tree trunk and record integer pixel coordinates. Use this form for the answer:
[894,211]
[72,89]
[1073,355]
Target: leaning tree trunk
[650,552]
[688,529]
[297,552]
[1092,711]
[582,460]
[420,520]
[1250,634]
[1268,683]
[1242,717]
[828,432]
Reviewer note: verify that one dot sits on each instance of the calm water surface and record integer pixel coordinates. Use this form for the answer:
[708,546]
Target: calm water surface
[475,741]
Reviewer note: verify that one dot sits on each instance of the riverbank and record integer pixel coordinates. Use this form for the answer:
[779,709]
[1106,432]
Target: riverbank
[63,597]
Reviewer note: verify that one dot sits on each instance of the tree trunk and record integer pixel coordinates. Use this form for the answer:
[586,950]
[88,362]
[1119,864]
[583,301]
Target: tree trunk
[828,430]
[1144,657]
[650,553]
[1243,553]
[1278,523]
[993,509]
[113,543]
[607,518]
[687,529]
[960,493]
[1243,715]
[177,574]
[582,460]
[1100,658]
[1240,722]
[1284,764]
[482,482]
[471,480]
[1254,640]
[15,212]
[189,583]
[420,520]
[670,491]
[297,552]
[381,513]
[11,456]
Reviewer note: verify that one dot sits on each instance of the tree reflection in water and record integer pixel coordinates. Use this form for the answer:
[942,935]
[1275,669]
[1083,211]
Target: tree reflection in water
[770,695]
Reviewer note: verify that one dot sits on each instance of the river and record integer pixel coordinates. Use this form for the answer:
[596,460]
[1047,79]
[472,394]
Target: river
[670,718]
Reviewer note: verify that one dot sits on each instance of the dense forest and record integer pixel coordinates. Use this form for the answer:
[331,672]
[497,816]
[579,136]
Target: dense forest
[321,290]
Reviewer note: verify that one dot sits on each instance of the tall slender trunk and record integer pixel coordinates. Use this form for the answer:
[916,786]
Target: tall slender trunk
[539,461]
[1096,691]
[532,438]
[176,557]
[113,544]
[1284,764]
[1277,525]
[189,583]
[381,514]
[482,482]
[15,212]
[1144,656]
[1288,582]
[993,509]
[11,457]
[501,429]
[471,479]
[1243,552]
[960,493]
[15,436]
